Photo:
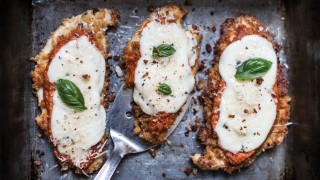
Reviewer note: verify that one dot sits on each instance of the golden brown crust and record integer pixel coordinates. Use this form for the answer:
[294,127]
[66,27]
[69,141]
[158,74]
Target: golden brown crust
[154,128]
[215,157]
[93,24]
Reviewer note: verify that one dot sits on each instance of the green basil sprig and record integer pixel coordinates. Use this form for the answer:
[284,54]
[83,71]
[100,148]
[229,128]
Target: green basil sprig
[163,50]
[70,94]
[253,68]
[164,88]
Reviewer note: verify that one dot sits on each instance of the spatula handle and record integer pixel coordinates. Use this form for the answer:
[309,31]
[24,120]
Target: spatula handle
[110,166]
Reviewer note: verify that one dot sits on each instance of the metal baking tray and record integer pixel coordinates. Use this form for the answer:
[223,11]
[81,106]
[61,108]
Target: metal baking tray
[28,25]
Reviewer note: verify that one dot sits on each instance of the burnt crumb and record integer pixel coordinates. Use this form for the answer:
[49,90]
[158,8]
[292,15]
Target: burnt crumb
[273,95]
[254,110]
[116,58]
[152,152]
[187,171]
[243,120]
[145,61]
[201,66]
[39,152]
[211,13]
[200,84]
[208,48]
[182,145]
[213,29]
[246,111]
[187,3]
[89,87]
[111,97]
[259,80]
[200,100]
[135,11]
[195,109]
[163,174]
[150,8]
[193,9]
[231,116]
[194,127]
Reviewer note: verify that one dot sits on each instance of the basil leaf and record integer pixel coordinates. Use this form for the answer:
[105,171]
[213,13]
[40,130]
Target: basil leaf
[164,88]
[163,50]
[70,94]
[253,68]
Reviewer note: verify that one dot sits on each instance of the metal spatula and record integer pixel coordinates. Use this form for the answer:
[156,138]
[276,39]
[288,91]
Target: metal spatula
[121,131]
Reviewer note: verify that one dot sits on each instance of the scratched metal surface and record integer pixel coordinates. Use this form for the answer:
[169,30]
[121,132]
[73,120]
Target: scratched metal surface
[170,160]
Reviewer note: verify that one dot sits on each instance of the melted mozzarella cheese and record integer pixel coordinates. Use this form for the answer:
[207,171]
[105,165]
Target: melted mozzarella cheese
[75,132]
[247,110]
[174,70]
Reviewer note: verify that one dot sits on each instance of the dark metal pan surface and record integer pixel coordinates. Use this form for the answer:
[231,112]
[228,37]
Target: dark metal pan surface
[26,26]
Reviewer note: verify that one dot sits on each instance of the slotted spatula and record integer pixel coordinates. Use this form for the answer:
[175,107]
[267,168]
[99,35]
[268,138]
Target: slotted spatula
[121,131]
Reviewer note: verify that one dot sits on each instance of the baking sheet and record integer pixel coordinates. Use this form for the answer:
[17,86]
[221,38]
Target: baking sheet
[171,160]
